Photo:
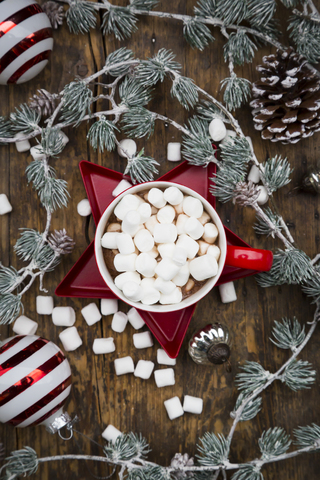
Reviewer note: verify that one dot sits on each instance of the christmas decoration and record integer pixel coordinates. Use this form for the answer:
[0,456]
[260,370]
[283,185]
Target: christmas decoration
[287,103]
[54,12]
[26,41]
[210,345]
[44,102]
[35,382]
[311,181]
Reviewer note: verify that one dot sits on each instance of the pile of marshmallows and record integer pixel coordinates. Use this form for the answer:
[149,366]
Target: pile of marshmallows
[168,224]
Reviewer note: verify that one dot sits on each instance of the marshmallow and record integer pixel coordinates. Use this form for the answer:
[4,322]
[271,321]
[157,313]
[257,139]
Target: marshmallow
[174,151]
[173,195]
[111,433]
[163,286]
[148,282]
[210,233]
[135,319]
[164,377]
[109,305]
[174,408]
[24,326]
[180,223]
[127,203]
[145,264]
[179,208]
[156,198]
[44,305]
[114,227]
[125,263]
[165,233]
[164,359]
[144,241]
[103,345]
[205,218]
[37,152]
[188,244]
[119,322]
[144,369]
[121,187]
[263,196]
[203,247]
[144,211]
[250,141]
[227,292]
[131,222]
[183,276]
[22,145]
[192,207]
[229,138]
[166,249]
[129,146]
[83,208]
[125,243]
[166,214]
[142,340]
[132,291]
[192,404]
[151,223]
[91,314]
[109,240]
[153,252]
[171,298]
[254,174]
[63,316]
[217,130]
[70,339]
[125,277]
[179,256]
[202,268]
[150,296]
[215,251]
[5,205]
[123,365]
[194,228]
[63,137]
[166,269]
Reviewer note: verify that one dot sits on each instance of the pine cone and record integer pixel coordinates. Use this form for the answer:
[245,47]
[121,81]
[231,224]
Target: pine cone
[287,104]
[246,194]
[178,462]
[55,13]
[60,242]
[44,102]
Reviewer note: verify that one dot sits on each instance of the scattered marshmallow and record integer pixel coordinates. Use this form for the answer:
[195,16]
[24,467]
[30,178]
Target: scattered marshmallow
[164,359]
[144,211]
[109,240]
[163,286]
[142,340]
[174,151]
[144,369]
[22,145]
[156,198]
[129,146]
[164,377]
[180,223]
[192,404]
[127,203]
[5,205]
[145,264]
[165,233]
[192,207]
[263,196]
[173,407]
[91,314]
[119,322]
[214,250]
[125,243]
[210,233]
[171,298]
[182,276]
[217,130]
[121,187]
[111,433]
[227,292]
[109,306]
[125,277]
[103,345]
[202,268]
[70,339]
[63,137]
[230,135]
[144,240]
[83,208]
[254,174]
[194,228]
[150,295]
[24,326]
[135,319]
[125,263]
[166,269]
[166,214]
[37,152]
[63,316]
[188,244]
[131,222]
[151,223]
[132,291]
[123,365]
[44,305]
[166,249]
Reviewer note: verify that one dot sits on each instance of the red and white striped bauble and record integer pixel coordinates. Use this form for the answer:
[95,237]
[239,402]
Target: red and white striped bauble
[25,40]
[35,380]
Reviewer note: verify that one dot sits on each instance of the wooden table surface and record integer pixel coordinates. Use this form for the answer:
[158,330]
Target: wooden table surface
[98,396]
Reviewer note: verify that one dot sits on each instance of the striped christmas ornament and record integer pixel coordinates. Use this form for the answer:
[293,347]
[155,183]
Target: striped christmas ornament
[35,380]
[25,40]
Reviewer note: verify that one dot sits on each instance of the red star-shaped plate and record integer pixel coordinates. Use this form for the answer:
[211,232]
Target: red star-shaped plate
[84,279]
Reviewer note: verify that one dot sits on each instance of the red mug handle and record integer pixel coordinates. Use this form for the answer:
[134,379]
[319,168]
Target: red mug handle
[249,258]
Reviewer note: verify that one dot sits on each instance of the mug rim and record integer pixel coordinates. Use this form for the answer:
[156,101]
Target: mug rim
[158,308]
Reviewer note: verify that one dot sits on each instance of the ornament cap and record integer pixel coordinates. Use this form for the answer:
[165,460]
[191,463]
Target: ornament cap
[57,421]
[218,353]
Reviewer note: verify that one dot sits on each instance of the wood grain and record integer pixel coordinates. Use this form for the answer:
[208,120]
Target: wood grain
[98,396]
